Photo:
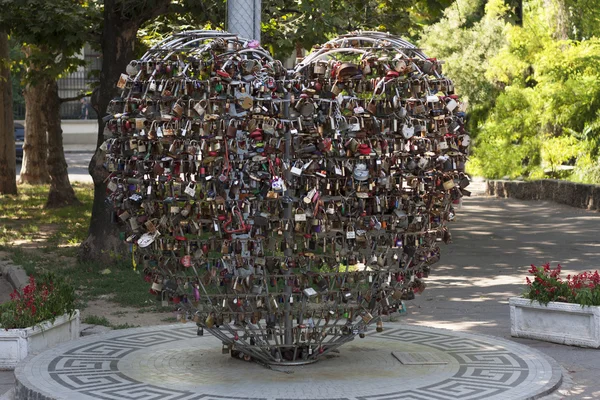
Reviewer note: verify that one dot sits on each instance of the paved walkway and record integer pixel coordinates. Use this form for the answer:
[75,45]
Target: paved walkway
[171,362]
[495,241]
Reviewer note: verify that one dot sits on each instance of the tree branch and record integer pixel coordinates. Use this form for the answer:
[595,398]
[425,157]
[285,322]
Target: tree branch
[289,10]
[151,13]
[78,97]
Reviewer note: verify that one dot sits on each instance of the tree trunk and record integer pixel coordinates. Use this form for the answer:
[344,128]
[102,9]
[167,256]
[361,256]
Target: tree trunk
[8,180]
[117,51]
[35,149]
[118,38]
[61,192]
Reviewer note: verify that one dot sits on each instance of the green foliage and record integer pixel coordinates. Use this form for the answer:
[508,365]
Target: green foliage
[52,33]
[95,320]
[548,115]
[534,98]
[43,299]
[189,16]
[467,52]
[304,23]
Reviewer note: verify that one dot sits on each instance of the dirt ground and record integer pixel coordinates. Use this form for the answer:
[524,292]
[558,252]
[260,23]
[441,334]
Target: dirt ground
[120,315]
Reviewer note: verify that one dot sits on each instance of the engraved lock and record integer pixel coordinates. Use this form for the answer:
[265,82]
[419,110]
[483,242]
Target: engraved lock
[132,68]
[200,107]
[297,168]
[190,189]
[361,173]
[354,125]
[408,131]
[299,215]
[177,109]
[350,233]
[157,285]
[310,195]
[449,184]
[330,209]
[320,67]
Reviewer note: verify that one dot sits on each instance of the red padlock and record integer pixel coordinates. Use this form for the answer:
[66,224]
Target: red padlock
[223,74]
[257,134]
[364,149]
[186,261]
[391,74]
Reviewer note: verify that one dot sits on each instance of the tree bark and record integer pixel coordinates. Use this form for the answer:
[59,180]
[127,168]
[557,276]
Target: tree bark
[61,192]
[118,38]
[8,180]
[35,149]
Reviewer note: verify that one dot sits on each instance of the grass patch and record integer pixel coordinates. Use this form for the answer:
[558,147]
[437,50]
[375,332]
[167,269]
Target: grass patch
[124,326]
[125,286]
[24,218]
[96,320]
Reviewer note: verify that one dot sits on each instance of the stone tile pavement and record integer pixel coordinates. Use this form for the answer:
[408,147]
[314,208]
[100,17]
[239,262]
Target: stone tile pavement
[171,362]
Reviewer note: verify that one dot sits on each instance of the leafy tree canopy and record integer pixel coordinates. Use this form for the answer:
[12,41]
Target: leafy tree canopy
[533,90]
[52,33]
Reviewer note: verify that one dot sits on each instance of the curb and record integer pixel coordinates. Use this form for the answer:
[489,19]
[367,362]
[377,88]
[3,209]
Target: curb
[572,194]
[79,151]
[10,395]
[15,275]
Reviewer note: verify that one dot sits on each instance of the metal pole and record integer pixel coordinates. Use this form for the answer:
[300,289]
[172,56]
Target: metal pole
[287,314]
[243,18]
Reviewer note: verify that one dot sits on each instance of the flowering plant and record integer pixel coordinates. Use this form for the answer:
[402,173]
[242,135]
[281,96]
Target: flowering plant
[547,285]
[41,300]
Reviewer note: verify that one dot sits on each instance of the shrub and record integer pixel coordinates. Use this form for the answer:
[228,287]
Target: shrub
[43,299]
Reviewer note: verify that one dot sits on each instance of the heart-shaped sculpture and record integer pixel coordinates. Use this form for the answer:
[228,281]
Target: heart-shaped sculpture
[285,211]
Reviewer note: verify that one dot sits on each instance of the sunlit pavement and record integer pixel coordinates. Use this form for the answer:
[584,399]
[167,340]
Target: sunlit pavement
[494,243]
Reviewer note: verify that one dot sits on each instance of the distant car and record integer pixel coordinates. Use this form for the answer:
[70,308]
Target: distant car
[19,139]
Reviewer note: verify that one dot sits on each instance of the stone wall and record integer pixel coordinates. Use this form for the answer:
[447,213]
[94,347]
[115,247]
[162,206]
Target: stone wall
[563,192]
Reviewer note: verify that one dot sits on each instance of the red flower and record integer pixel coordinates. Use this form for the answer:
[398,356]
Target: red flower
[533,269]
[546,267]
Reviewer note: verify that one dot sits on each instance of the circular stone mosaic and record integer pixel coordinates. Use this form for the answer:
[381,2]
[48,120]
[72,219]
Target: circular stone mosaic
[172,362]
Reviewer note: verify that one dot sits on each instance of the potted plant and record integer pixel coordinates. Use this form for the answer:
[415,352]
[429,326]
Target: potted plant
[38,316]
[558,310]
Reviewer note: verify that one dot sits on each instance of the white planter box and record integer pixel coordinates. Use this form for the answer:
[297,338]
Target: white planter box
[562,323]
[16,344]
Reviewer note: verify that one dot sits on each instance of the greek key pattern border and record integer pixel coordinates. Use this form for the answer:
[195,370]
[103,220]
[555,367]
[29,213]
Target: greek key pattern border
[487,369]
